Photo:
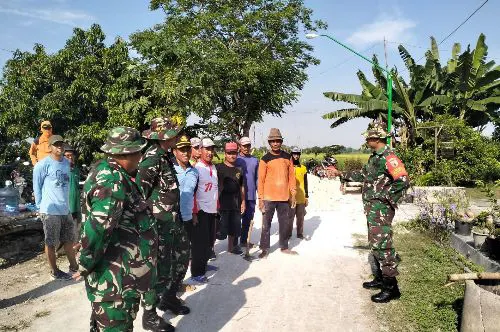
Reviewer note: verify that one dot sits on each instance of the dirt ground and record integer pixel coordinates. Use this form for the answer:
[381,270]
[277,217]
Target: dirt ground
[318,290]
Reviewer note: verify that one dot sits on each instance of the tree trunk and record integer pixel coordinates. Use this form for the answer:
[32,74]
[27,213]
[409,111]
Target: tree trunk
[245,130]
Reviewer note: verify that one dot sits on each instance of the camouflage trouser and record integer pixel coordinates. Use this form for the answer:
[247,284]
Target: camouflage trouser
[116,316]
[173,257]
[379,221]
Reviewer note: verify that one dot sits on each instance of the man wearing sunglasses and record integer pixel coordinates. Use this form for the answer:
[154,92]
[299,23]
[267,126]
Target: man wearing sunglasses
[40,147]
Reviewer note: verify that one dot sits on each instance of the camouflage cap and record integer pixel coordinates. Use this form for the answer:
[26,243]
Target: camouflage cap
[123,140]
[164,128]
[377,130]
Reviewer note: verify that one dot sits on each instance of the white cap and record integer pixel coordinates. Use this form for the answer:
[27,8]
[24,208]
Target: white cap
[207,142]
[195,141]
[245,141]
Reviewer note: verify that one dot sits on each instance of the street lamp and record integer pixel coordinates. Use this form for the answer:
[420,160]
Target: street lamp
[388,76]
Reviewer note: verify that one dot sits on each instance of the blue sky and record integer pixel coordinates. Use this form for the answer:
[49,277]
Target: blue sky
[361,24]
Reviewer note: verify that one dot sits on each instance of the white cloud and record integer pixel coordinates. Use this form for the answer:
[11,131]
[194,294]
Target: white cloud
[392,29]
[61,16]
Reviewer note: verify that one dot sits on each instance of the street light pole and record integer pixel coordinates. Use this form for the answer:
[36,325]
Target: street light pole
[387,73]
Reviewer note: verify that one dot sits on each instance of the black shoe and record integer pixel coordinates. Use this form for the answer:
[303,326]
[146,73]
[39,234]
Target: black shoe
[172,303]
[237,250]
[390,291]
[152,322]
[375,283]
[300,236]
[213,256]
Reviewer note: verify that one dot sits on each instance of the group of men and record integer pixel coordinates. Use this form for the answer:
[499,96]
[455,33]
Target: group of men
[152,206]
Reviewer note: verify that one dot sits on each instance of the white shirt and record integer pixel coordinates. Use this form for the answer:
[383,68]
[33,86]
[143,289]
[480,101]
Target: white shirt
[207,193]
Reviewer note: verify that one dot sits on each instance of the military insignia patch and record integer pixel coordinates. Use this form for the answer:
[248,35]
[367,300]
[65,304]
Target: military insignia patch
[395,167]
[238,176]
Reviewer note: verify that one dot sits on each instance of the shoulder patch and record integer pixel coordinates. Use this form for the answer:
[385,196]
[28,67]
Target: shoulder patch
[395,166]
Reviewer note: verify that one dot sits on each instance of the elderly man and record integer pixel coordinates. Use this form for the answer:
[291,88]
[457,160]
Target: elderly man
[119,243]
[276,189]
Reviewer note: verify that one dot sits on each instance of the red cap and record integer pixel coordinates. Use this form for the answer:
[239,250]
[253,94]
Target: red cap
[231,146]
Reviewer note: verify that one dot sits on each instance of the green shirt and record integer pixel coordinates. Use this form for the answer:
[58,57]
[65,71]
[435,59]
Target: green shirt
[74,191]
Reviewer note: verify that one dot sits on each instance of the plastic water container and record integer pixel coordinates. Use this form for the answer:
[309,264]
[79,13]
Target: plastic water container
[9,200]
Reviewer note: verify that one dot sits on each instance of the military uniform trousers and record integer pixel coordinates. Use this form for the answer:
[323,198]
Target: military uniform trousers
[119,316]
[173,259]
[379,217]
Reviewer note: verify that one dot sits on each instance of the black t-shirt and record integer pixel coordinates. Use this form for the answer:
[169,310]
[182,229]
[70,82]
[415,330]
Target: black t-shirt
[230,181]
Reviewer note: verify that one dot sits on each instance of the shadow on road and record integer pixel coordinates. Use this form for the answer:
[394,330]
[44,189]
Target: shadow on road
[224,296]
[42,290]
[310,226]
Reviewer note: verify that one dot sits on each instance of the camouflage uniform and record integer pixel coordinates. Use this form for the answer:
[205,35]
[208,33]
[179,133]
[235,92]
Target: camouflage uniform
[384,181]
[119,242]
[158,181]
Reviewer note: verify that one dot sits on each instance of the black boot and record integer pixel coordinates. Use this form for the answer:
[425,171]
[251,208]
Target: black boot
[375,283]
[152,322]
[390,291]
[172,303]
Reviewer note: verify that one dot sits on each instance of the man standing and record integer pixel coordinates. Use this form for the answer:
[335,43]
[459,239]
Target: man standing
[74,187]
[51,188]
[249,164]
[302,196]
[202,231]
[231,197]
[156,177]
[187,176]
[119,243]
[276,186]
[40,148]
[195,150]
[384,180]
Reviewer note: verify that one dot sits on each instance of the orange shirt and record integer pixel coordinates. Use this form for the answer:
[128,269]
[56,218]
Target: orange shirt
[40,150]
[276,179]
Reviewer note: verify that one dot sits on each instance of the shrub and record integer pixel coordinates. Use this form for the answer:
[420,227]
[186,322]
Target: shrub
[354,164]
[475,157]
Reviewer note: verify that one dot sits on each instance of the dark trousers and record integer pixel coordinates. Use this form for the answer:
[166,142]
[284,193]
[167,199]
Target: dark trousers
[246,218]
[298,211]
[283,209]
[200,238]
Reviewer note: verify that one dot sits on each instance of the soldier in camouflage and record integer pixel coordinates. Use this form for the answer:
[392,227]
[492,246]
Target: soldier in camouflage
[119,243]
[384,180]
[158,180]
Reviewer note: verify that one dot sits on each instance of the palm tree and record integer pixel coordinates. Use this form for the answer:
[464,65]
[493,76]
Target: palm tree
[466,87]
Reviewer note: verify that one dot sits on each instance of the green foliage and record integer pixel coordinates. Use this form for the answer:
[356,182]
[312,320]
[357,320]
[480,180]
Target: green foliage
[489,189]
[475,157]
[425,304]
[354,164]
[229,62]
[80,89]
[468,87]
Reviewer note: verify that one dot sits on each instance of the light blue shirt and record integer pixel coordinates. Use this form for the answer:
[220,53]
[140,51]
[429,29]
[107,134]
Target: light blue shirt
[188,181]
[51,186]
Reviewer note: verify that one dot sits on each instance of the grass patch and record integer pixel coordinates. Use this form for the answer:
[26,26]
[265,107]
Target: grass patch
[425,304]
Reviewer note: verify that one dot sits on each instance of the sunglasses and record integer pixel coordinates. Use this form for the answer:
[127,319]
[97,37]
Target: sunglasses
[275,141]
[47,127]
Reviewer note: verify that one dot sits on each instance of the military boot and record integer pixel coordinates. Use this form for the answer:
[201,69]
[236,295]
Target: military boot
[390,291]
[152,322]
[172,303]
[375,283]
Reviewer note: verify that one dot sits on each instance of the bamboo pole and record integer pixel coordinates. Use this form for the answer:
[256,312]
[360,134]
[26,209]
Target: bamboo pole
[474,276]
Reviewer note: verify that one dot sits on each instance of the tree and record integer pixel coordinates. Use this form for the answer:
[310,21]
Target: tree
[467,87]
[229,62]
[81,88]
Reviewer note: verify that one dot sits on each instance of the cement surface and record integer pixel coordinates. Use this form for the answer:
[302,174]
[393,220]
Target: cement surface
[318,290]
